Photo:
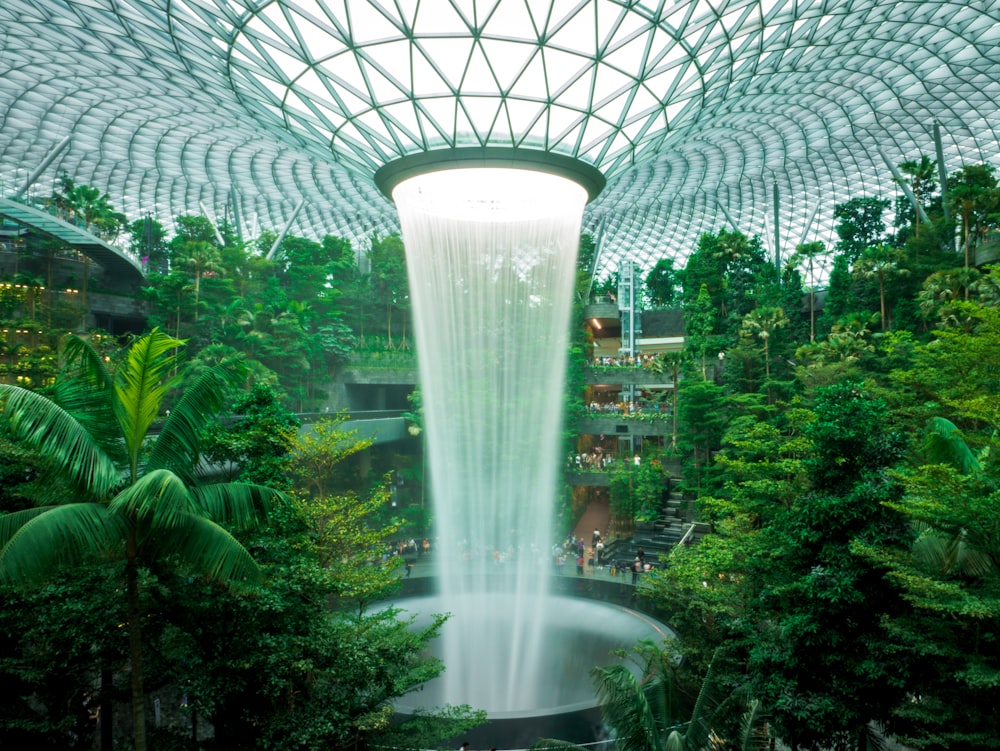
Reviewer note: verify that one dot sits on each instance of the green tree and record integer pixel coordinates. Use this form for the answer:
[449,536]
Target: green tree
[388,277]
[670,364]
[255,446]
[951,579]
[971,194]
[883,264]
[147,239]
[201,257]
[699,319]
[131,501]
[763,323]
[819,656]
[860,225]
[839,300]
[661,284]
[922,174]
[703,416]
[316,669]
[807,254]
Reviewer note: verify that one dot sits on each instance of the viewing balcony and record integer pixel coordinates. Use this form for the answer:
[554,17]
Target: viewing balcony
[118,263]
[641,424]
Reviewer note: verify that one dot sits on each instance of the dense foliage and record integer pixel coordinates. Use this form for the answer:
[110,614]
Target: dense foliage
[841,444]
[842,447]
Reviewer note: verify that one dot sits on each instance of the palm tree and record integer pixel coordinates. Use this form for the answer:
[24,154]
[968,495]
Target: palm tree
[921,173]
[970,190]
[878,263]
[943,289]
[644,711]
[202,256]
[670,362]
[132,496]
[808,253]
[764,322]
[953,551]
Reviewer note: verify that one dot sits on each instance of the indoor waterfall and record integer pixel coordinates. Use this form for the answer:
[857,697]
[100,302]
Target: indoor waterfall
[491,255]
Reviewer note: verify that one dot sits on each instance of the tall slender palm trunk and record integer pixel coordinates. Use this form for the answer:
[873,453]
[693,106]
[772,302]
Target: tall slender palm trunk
[135,647]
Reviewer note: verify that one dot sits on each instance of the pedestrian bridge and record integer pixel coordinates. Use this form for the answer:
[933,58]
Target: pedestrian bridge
[122,267]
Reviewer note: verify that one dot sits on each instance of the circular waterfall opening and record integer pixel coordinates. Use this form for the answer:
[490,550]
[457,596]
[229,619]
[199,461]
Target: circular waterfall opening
[579,635]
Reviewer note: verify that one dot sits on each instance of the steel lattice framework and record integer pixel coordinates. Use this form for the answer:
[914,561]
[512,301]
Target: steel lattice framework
[694,110]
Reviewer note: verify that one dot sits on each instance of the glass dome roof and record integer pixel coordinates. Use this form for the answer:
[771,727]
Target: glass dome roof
[694,110]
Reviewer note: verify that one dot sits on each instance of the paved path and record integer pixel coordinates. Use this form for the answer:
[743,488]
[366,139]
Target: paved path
[597,515]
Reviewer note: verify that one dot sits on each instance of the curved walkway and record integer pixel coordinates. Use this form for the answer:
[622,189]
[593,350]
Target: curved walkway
[116,262]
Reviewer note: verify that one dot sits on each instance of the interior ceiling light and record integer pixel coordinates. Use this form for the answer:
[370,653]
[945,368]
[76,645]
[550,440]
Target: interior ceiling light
[693,110]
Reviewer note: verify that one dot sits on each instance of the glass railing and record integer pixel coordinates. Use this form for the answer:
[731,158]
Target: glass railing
[48,208]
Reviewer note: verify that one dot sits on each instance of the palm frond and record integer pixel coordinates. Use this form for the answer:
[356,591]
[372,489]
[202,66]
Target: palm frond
[971,559]
[948,553]
[236,504]
[141,383]
[872,737]
[61,441]
[675,742]
[701,716]
[626,707]
[93,408]
[755,734]
[208,549]
[177,446]
[10,523]
[158,498]
[944,444]
[931,549]
[80,352]
[62,536]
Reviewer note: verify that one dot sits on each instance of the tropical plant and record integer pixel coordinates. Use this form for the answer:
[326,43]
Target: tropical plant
[971,190]
[763,323]
[860,225]
[807,253]
[643,706]
[130,493]
[661,284]
[921,173]
[670,363]
[880,262]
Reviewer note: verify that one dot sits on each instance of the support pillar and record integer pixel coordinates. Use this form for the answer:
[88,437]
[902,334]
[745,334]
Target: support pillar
[30,180]
[218,235]
[777,237]
[904,187]
[725,213]
[237,219]
[809,224]
[942,172]
[288,224]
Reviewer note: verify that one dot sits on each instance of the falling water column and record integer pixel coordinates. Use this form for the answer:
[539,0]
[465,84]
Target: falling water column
[491,258]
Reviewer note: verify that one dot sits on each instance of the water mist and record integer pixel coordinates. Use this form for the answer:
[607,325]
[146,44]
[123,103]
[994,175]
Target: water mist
[491,255]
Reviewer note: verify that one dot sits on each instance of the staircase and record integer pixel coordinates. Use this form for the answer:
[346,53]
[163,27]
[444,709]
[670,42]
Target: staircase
[658,538]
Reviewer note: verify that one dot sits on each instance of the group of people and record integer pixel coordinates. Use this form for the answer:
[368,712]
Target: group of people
[626,361]
[628,408]
[596,459]
[408,547]
[576,548]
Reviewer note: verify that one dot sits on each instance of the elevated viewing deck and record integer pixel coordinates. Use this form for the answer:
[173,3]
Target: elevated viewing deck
[118,264]
[611,424]
[625,375]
